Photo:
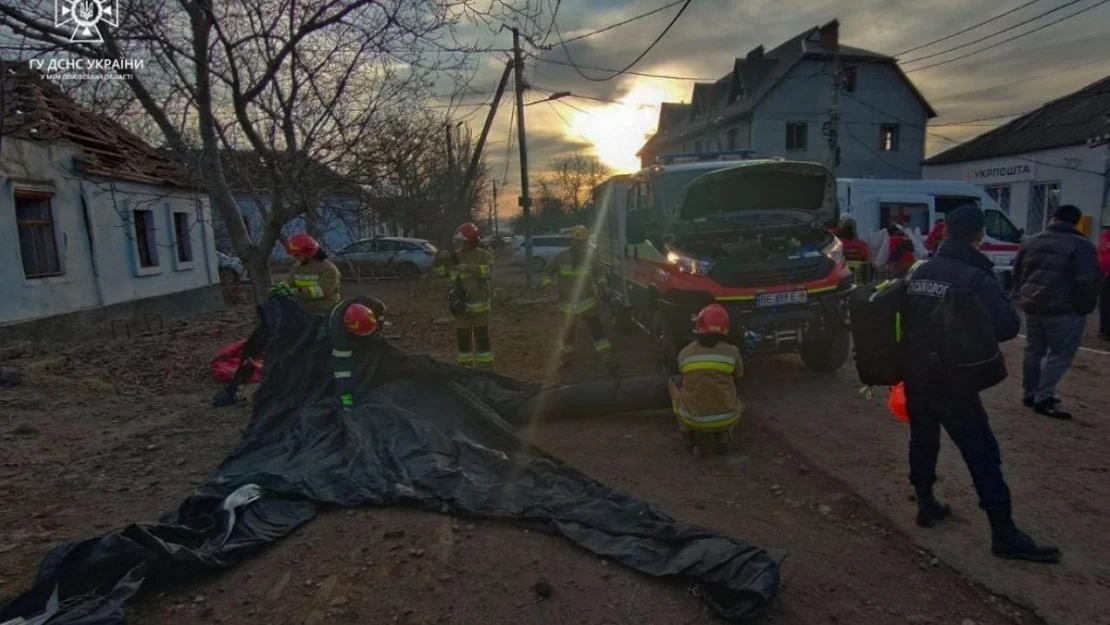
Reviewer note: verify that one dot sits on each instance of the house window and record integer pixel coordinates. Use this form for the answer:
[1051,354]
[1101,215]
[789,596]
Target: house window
[730,141]
[1001,196]
[1043,201]
[848,79]
[145,240]
[796,134]
[181,237]
[38,247]
[888,137]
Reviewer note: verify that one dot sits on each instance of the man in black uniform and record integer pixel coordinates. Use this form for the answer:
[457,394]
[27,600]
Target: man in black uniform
[932,401]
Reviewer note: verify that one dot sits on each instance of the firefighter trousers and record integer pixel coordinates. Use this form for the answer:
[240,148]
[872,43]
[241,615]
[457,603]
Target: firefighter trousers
[601,342]
[472,337]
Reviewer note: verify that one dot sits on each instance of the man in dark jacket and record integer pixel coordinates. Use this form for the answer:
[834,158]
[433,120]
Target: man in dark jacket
[1056,279]
[933,401]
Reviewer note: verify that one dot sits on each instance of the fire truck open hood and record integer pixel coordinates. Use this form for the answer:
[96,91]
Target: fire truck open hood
[793,191]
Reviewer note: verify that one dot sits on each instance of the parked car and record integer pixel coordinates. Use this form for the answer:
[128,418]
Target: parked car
[405,258]
[544,248]
[231,269]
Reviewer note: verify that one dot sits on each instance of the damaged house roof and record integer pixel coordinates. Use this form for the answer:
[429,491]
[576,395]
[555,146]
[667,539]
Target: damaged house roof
[35,109]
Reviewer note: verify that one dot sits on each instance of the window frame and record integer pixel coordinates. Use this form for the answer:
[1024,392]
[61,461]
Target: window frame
[131,229]
[849,79]
[793,137]
[182,238]
[1003,190]
[1045,207]
[894,136]
[51,235]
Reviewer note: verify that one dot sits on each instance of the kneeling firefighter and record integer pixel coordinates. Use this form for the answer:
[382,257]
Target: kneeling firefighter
[704,397]
[314,280]
[579,274]
[470,269]
[353,327]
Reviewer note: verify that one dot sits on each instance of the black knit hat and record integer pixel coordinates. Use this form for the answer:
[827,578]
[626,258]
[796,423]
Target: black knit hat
[965,222]
[1069,213]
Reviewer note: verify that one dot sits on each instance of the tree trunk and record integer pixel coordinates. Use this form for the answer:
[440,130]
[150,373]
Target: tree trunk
[258,268]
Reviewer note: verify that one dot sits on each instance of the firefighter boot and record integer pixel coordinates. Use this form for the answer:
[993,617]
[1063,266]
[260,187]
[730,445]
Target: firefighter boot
[929,510]
[1007,541]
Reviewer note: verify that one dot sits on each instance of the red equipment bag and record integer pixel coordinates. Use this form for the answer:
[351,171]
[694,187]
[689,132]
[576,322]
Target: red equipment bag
[897,403]
[226,362]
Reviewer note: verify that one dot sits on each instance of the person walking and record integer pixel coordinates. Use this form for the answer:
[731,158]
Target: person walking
[900,256]
[1104,295]
[933,401]
[1056,279]
[579,275]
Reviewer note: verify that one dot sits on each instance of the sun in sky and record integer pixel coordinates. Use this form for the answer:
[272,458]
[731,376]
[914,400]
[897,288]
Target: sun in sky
[617,131]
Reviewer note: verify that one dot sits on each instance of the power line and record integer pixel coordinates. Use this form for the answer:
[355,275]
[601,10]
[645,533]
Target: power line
[995,45]
[636,60]
[1019,81]
[627,21]
[631,73]
[969,28]
[508,147]
[979,119]
[995,34]
[881,157]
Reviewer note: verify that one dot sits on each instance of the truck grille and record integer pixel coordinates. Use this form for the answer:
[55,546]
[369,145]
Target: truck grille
[764,274]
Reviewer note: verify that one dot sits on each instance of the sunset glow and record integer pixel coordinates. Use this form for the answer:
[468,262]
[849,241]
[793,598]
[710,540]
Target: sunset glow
[617,131]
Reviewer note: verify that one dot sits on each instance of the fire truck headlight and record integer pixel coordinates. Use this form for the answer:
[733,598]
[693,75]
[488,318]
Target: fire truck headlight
[688,265]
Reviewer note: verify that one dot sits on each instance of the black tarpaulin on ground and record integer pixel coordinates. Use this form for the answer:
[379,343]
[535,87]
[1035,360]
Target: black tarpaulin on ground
[423,434]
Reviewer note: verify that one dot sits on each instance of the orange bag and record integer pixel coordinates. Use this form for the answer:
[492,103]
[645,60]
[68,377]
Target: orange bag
[897,403]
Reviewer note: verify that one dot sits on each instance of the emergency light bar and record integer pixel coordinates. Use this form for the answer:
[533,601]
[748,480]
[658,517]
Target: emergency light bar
[726,155]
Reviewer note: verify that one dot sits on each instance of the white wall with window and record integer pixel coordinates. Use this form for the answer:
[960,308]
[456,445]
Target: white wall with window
[69,243]
[1030,186]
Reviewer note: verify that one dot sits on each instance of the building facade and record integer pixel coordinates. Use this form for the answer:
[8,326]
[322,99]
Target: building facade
[93,237]
[1058,154]
[778,104]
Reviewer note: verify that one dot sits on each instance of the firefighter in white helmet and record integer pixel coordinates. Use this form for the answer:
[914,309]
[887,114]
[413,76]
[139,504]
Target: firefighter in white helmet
[579,276]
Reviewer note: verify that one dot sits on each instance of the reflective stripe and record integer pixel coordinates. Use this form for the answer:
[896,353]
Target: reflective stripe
[347,399]
[338,353]
[476,308]
[709,422]
[573,271]
[483,271]
[546,281]
[342,374]
[708,362]
[315,292]
[603,345]
[579,307]
[441,271]
[466,359]
[484,358]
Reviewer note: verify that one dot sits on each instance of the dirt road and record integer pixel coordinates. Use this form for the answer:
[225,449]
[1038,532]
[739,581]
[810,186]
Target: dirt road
[111,432]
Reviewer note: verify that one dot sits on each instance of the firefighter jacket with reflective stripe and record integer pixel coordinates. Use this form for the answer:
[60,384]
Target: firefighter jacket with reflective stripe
[576,271]
[315,285]
[473,268]
[707,399]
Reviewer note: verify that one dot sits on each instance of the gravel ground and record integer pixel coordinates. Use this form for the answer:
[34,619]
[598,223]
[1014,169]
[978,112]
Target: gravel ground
[109,432]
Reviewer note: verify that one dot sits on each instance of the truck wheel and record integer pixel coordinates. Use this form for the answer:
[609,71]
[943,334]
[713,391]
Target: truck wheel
[665,337]
[828,353]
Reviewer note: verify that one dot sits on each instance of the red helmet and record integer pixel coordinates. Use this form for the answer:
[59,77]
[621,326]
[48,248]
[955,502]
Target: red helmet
[302,246]
[360,320]
[468,233]
[713,319]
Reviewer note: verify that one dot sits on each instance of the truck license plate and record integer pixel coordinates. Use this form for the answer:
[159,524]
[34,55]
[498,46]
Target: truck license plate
[767,300]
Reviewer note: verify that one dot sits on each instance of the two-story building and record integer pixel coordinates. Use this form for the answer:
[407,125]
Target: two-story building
[778,103]
[96,226]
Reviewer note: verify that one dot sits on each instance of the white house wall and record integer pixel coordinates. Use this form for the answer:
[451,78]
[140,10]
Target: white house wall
[881,96]
[106,272]
[1077,169]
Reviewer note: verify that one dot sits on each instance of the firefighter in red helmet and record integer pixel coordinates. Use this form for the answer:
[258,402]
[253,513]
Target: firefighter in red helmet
[314,280]
[704,397]
[470,269]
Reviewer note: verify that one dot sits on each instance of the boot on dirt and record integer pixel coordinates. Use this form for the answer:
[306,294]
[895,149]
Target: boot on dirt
[1008,542]
[929,510]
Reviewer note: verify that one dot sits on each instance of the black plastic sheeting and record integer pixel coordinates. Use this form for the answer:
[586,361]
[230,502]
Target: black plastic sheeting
[422,434]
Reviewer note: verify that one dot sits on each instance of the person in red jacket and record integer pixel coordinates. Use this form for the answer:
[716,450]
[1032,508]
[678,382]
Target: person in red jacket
[1104,295]
[856,252]
[936,236]
[900,258]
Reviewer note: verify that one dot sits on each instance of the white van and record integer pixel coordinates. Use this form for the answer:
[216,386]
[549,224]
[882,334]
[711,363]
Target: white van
[875,204]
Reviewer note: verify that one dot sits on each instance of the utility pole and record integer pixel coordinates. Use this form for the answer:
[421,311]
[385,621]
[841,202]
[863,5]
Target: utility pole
[525,198]
[493,210]
[834,110]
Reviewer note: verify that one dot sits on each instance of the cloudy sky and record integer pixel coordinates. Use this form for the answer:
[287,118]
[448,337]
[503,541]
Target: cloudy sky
[1014,77]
